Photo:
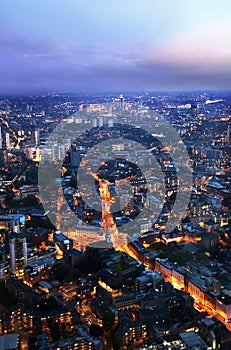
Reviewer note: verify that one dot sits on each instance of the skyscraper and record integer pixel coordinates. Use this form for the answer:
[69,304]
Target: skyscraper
[0,137]
[18,253]
[228,134]
[7,140]
[37,137]
[75,157]
[110,123]
[95,122]
[194,109]
[18,246]
[100,122]
[121,99]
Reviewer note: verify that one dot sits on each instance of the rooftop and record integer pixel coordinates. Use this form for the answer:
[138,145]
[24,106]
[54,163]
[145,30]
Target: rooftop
[9,341]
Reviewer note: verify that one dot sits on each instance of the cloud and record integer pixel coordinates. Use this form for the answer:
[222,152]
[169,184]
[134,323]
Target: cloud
[201,45]
[194,59]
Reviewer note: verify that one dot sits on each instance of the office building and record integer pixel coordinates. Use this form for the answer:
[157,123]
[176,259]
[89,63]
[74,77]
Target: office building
[62,243]
[18,253]
[0,137]
[37,137]
[7,140]
[75,157]
[121,101]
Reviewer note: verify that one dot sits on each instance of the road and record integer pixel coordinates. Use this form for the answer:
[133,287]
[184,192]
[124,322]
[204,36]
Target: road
[87,316]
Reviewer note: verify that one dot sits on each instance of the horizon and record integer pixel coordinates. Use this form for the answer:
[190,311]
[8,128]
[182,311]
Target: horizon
[126,93]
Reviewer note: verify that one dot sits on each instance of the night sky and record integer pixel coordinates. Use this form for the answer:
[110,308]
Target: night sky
[114,45]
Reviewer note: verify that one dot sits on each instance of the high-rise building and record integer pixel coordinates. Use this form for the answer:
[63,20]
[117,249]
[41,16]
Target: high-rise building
[29,108]
[194,109]
[110,123]
[18,253]
[7,140]
[100,122]
[228,134]
[75,157]
[37,137]
[0,137]
[95,123]
[58,152]
[121,100]
[18,245]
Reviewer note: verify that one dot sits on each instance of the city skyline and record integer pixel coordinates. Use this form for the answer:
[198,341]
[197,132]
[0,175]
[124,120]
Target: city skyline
[94,47]
[115,175]
[107,273]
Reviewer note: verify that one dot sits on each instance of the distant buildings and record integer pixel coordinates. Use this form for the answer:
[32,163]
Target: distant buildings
[121,102]
[151,309]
